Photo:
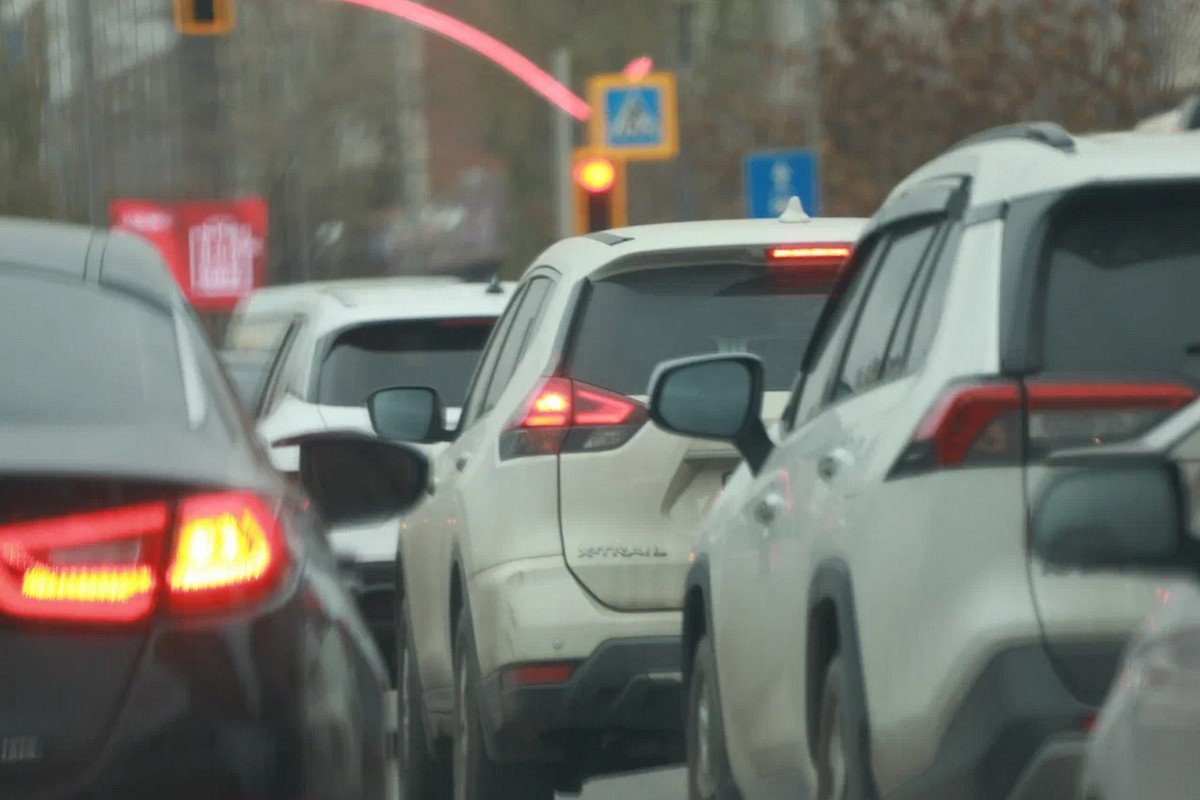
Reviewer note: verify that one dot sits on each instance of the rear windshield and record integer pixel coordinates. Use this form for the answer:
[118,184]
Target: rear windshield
[636,320]
[71,354]
[437,353]
[1123,286]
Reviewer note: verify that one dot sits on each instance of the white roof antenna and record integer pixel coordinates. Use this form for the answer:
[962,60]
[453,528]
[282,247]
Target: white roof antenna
[794,212]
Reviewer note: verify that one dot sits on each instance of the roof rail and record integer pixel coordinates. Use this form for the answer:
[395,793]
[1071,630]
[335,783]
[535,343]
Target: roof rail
[1050,134]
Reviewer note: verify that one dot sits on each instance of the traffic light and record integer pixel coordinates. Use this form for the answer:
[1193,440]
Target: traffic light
[601,199]
[204,17]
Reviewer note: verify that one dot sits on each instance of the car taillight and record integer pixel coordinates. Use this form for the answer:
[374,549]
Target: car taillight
[809,267]
[1001,422]
[565,416]
[98,566]
[228,550]
[108,566]
[548,674]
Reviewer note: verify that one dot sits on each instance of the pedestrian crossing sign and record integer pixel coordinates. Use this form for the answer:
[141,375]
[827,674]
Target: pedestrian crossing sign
[637,120]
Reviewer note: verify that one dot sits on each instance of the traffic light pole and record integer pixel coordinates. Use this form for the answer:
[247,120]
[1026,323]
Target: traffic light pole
[563,147]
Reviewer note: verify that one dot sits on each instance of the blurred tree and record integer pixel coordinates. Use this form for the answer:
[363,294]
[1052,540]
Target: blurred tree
[24,190]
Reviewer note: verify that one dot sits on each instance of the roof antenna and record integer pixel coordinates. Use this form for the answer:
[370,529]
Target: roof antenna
[794,212]
[494,286]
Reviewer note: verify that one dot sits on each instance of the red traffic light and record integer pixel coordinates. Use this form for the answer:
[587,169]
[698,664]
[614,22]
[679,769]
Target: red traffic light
[595,174]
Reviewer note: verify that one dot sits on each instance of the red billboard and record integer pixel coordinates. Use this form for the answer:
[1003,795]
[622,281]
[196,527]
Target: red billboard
[216,249]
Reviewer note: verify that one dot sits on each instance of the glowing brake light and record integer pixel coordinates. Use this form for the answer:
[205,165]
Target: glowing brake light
[228,548]
[96,566]
[107,566]
[809,255]
[566,416]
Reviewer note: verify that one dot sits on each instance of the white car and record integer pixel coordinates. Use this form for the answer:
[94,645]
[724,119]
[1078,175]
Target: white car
[864,617]
[1132,510]
[337,343]
[542,580]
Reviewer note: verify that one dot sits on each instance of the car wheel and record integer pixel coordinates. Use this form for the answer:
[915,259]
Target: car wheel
[476,776]
[840,775]
[423,774]
[709,775]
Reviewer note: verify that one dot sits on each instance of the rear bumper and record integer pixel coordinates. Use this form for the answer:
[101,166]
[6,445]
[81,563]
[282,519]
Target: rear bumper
[1017,735]
[622,709]
[221,709]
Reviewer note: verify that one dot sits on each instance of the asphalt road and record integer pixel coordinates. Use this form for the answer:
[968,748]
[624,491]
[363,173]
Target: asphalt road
[659,785]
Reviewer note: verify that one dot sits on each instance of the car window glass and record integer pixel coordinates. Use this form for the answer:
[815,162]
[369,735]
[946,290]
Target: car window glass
[487,364]
[863,361]
[825,356]
[523,327]
[898,362]
[930,313]
[635,320]
[1122,278]
[280,373]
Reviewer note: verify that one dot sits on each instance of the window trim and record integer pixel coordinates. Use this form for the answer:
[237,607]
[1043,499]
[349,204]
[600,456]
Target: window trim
[482,376]
[522,346]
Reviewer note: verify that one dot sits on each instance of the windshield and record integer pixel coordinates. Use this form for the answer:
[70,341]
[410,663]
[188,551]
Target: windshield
[634,321]
[440,354]
[80,355]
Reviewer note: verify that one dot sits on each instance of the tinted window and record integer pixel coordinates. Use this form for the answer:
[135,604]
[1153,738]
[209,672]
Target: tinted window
[931,308]
[636,320]
[922,303]
[247,372]
[439,354]
[75,354]
[487,362]
[1122,286]
[863,363]
[523,327]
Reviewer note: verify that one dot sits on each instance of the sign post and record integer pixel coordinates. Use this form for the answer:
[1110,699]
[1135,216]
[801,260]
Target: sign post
[775,177]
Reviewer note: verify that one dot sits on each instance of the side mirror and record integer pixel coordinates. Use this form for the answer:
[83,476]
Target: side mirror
[354,478]
[1114,516]
[713,397]
[408,414]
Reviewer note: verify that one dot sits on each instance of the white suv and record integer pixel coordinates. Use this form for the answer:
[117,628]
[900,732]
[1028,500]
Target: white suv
[541,581]
[330,346]
[864,617]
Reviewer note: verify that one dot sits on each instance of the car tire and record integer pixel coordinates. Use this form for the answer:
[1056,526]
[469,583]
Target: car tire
[708,771]
[476,775]
[841,775]
[424,774]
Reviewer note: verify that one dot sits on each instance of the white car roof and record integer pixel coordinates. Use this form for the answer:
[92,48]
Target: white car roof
[1010,168]
[290,297]
[583,255]
[332,311]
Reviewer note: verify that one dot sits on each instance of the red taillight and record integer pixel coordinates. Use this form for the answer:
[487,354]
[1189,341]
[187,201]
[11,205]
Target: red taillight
[537,675]
[983,422]
[228,550]
[97,566]
[565,416]
[107,566]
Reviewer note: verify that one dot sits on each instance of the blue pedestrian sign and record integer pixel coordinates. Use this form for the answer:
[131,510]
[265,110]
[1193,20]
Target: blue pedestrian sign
[634,119]
[775,177]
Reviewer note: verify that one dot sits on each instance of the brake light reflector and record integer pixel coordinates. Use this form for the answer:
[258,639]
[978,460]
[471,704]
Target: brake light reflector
[565,416]
[537,675]
[996,422]
[228,549]
[94,566]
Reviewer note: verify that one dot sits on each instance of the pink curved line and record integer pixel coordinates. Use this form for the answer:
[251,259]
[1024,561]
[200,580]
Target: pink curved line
[487,46]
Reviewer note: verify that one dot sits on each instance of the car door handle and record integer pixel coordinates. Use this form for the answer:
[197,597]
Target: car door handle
[833,462]
[461,462]
[767,508]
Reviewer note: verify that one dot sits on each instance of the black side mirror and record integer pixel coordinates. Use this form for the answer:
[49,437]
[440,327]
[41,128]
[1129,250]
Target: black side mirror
[408,414]
[1120,514]
[713,397]
[354,479]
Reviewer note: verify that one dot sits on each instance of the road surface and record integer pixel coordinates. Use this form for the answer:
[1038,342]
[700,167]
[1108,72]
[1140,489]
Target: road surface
[660,785]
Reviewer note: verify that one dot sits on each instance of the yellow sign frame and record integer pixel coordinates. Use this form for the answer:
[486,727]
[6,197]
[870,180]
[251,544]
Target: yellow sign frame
[599,85]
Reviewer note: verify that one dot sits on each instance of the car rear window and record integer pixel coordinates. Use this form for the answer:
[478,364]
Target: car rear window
[436,353]
[636,320]
[72,354]
[1122,282]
